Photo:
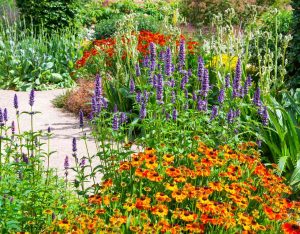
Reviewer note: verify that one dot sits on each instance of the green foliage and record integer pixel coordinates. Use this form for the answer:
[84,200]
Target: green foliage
[30,190]
[107,27]
[51,14]
[294,51]
[35,59]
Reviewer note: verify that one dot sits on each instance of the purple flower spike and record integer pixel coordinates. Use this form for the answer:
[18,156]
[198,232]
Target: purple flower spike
[227,81]
[205,83]
[256,97]
[152,56]
[181,55]
[138,96]
[247,85]
[159,88]
[49,129]
[184,81]
[82,163]
[200,68]
[13,128]
[173,98]
[25,158]
[230,116]
[214,113]
[66,163]
[137,69]
[174,114]
[265,116]
[5,116]
[16,103]
[221,97]
[31,97]
[146,61]
[1,117]
[131,86]
[194,96]
[115,124]
[168,62]
[202,105]
[74,145]
[81,119]
[237,80]
[98,88]
[143,111]
[123,118]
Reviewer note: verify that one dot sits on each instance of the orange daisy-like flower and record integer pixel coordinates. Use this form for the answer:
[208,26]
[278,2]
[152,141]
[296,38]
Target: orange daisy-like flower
[143,203]
[124,166]
[291,228]
[195,227]
[216,186]
[64,224]
[117,220]
[161,197]
[150,157]
[107,183]
[151,164]
[149,150]
[100,211]
[188,216]
[168,157]
[193,156]
[171,186]
[173,172]
[160,210]
[128,206]
[154,176]
[179,195]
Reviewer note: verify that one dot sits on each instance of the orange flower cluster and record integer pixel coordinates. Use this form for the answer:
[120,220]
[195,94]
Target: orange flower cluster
[199,192]
[144,38]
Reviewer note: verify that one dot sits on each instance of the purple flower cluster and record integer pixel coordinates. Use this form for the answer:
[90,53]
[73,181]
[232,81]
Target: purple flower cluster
[152,56]
[205,83]
[168,62]
[201,68]
[31,97]
[159,88]
[181,55]
[236,85]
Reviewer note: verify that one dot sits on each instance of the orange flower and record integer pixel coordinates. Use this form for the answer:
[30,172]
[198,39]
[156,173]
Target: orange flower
[117,220]
[173,172]
[128,206]
[195,227]
[179,195]
[143,203]
[171,186]
[160,210]
[154,176]
[100,211]
[188,216]
[291,228]
[161,197]
[151,164]
[168,157]
[193,156]
[216,186]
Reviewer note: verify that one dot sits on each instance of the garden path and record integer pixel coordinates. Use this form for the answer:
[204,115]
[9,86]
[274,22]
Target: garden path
[64,125]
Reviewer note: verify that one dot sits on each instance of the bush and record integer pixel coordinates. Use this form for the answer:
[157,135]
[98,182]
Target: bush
[107,27]
[197,11]
[51,14]
[294,51]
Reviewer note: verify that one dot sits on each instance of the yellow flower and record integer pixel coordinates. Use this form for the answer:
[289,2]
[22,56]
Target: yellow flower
[225,61]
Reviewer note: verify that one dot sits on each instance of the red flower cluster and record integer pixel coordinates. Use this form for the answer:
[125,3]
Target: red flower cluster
[144,39]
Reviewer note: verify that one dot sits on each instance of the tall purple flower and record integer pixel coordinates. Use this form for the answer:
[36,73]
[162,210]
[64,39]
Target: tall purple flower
[184,80]
[194,96]
[247,85]
[159,88]
[152,56]
[236,85]
[123,118]
[138,97]
[13,128]
[256,97]
[104,103]
[168,62]
[214,112]
[162,55]
[230,116]
[31,97]
[221,96]
[227,81]
[265,116]
[49,129]
[201,67]
[1,117]
[81,119]
[115,124]
[131,86]
[5,116]
[146,61]
[205,84]
[143,111]
[202,105]
[16,102]
[66,163]
[25,158]
[74,145]
[181,55]
[98,88]
[174,114]
[82,162]
[137,69]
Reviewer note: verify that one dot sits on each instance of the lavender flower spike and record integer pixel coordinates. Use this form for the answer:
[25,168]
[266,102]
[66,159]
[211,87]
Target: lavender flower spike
[205,83]
[31,98]
[143,111]
[200,68]
[256,97]
[174,114]
[66,163]
[237,79]
[230,116]
[131,86]
[1,117]
[16,103]
[74,145]
[214,112]
[13,128]
[181,55]
[221,97]
[265,116]
[81,119]
[152,56]
[137,69]
[227,81]
[115,124]
[168,62]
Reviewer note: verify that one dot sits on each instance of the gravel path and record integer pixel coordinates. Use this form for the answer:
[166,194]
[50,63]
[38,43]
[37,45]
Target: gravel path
[64,125]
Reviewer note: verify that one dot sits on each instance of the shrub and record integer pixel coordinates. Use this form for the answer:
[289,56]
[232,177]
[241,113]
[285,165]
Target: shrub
[51,14]
[107,27]
[294,51]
